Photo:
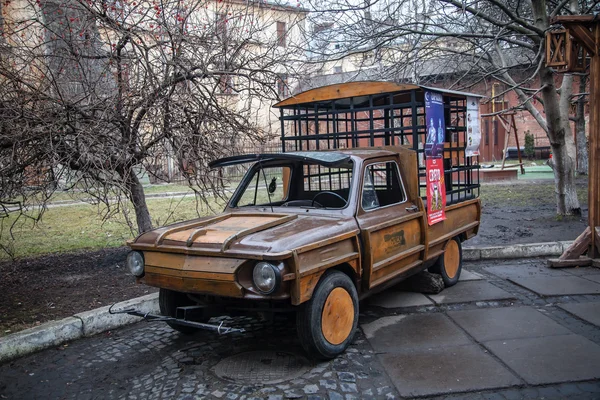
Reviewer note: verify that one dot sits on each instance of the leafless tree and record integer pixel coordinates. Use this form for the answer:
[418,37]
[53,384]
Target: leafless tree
[465,44]
[94,92]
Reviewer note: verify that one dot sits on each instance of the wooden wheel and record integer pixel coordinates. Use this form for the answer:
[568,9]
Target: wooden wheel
[452,258]
[449,264]
[337,318]
[327,322]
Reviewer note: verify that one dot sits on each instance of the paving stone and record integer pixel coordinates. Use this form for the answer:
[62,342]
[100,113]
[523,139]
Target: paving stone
[469,276]
[466,292]
[445,370]
[397,299]
[592,277]
[524,271]
[334,396]
[589,312]
[558,285]
[506,323]
[581,270]
[551,359]
[403,332]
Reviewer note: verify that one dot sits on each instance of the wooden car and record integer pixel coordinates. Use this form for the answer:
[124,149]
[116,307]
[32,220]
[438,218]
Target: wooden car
[310,232]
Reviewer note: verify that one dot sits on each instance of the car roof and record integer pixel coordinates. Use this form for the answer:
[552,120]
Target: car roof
[329,158]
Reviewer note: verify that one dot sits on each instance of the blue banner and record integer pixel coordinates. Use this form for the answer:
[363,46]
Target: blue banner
[436,127]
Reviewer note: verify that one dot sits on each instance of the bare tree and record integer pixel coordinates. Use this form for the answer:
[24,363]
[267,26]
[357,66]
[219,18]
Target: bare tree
[93,93]
[466,44]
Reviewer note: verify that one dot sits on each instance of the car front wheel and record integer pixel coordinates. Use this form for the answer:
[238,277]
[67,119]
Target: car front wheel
[327,322]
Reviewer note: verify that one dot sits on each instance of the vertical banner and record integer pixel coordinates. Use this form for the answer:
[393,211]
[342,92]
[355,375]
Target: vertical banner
[436,129]
[436,191]
[434,161]
[473,129]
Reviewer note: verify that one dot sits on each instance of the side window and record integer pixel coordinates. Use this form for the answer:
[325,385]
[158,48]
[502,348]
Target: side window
[258,192]
[382,186]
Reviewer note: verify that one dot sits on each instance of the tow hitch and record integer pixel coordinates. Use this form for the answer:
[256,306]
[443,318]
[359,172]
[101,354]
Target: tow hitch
[181,318]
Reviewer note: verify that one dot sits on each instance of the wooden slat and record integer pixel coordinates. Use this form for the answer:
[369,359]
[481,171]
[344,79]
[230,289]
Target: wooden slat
[583,36]
[258,228]
[572,262]
[189,274]
[579,246]
[201,286]
[194,263]
[194,235]
[184,227]
[344,90]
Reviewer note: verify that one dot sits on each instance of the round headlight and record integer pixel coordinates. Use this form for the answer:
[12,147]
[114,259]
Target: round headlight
[266,277]
[135,263]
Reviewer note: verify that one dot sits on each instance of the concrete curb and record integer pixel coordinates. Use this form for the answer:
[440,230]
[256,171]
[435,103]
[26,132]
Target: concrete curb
[99,320]
[515,251]
[88,323]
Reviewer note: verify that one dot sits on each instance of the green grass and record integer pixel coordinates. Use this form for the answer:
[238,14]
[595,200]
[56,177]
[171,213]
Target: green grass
[80,227]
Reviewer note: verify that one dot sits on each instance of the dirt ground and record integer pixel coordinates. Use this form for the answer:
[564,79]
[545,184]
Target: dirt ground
[33,291]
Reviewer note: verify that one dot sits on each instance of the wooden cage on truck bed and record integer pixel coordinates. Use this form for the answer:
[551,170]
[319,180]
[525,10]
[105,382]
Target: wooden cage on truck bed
[374,114]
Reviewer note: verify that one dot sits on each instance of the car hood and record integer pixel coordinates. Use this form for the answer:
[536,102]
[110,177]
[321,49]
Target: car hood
[246,233]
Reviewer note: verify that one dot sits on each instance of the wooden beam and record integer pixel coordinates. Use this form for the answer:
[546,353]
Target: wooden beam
[506,136]
[577,262]
[514,124]
[579,246]
[584,36]
[594,146]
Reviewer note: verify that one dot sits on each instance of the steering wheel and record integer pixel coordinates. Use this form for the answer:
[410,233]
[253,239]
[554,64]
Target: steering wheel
[334,194]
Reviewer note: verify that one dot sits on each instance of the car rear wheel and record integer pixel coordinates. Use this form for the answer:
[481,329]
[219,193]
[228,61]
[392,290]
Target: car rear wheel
[449,264]
[327,322]
[168,301]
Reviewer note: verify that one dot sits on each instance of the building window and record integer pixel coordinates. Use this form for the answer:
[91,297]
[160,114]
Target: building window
[337,70]
[281,33]
[282,86]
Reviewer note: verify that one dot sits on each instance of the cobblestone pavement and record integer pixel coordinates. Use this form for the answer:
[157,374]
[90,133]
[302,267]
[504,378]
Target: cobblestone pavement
[151,361]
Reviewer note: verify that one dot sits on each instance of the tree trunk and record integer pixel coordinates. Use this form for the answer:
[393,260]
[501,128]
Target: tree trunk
[559,129]
[135,192]
[581,140]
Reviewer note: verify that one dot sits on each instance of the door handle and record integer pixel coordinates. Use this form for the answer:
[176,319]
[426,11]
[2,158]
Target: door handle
[412,208]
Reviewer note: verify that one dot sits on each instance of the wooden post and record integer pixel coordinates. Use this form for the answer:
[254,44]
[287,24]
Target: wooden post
[585,29]
[594,145]
[514,124]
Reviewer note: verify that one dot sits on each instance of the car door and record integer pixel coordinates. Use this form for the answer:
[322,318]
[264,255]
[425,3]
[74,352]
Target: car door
[391,225]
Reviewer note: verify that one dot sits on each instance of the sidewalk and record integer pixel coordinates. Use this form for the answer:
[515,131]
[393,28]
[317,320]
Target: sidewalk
[508,329]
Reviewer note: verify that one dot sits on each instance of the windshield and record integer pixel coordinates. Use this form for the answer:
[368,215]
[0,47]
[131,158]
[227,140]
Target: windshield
[295,185]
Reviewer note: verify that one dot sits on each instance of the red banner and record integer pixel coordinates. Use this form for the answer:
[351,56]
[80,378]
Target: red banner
[436,191]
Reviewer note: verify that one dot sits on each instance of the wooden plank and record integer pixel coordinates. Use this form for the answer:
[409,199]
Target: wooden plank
[160,238]
[594,146]
[295,266]
[579,246]
[180,273]
[506,137]
[344,90]
[573,262]
[514,124]
[280,221]
[583,36]
[201,286]
[192,263]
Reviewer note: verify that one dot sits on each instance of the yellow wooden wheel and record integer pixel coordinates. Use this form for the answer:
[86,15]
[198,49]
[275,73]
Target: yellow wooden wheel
[337,319]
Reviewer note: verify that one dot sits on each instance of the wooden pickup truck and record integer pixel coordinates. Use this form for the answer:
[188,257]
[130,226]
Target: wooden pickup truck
[312,232]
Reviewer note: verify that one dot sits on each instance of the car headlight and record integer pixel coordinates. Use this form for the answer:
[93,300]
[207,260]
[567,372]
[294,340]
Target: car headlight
[266,277]
[135,263]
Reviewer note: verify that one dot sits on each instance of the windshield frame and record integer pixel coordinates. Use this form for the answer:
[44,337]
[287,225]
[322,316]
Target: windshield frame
[295,166]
